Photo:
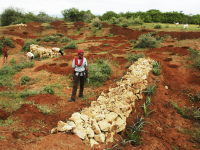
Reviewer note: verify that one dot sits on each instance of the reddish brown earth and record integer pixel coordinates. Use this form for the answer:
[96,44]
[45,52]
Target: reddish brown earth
[31,128]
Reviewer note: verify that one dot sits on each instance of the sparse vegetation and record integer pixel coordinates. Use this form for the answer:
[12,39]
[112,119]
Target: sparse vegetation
[25,79]
[134,57]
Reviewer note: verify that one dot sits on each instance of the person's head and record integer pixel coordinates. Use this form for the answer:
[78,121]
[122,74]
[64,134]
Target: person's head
[4,46]
[80,54]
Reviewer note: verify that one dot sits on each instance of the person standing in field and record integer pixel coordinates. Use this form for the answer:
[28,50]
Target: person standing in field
[5,54]
[79,73]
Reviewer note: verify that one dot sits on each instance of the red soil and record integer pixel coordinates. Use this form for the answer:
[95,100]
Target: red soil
[43,99]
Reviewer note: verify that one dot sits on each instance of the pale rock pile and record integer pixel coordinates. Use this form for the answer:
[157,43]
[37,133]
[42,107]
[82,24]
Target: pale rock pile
[44,52]
[107,116]
[21,24]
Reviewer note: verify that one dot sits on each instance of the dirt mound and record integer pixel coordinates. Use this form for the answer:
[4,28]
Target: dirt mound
[64,65]
[193,79]
[4,114]
[55,69]
[79,24]
[57,23]
[128,33]
[181,35]
[33,24]
[28,113]
[172,66]
[181,51]
[43,99]
[105,25]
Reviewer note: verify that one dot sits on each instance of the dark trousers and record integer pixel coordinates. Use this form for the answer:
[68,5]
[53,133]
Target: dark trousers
[75,86]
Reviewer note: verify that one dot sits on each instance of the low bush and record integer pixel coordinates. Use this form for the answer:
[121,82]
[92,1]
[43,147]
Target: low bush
[124,25]
[99,72]
[65,39]
[193,53]
[96,22]
[134,57]
[48,26]
[146,40]
[9,41]
[197,62]
[27,93]
[71,45]
[26,47]
[153,33]
[157,26]
[13,61]
[48,89]
[25,79]
[138,21]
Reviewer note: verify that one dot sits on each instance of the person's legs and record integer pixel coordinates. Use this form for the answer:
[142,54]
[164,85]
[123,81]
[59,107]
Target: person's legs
[82,81]
[3,58]
[75,86]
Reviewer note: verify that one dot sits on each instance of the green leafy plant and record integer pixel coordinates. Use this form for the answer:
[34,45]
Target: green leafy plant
[157,26]
[134,57]
[48,89]
[48,26]
[71,45]
[65,39]
[25,79]
[150,90]
[134,137]
[146,40]
[99,72]
[106,44]
[155,64]
[146,111]
[156,71]
[13,61]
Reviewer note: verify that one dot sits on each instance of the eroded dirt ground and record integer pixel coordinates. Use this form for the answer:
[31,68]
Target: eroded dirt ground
[30,127]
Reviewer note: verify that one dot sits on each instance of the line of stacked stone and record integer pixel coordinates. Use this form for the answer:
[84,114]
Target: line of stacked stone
[107,116]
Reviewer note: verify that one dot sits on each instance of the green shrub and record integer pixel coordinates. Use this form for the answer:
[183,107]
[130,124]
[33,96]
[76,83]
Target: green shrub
[26,47]
[146,40]
[13,61]
[155,64]
[114,20]
[197,63]
[138,21]
[157,26]
[48,89]
[124,25]
[65,39]
[156,71]
[38,39]
[36,55]
[46,38]
[96,22]
[193,53]
[153,33]
[71,45]
[134,57]
[25,79]
[106,44]
[9,42]
[157,38]
[99,72]
[167,26]
[48,26]
[27,93]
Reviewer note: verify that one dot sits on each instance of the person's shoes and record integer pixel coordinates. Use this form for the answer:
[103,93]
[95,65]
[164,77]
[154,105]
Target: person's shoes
[81,96]
[71,100]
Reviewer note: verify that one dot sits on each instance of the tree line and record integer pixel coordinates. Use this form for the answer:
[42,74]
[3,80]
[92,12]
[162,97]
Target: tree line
[13,15]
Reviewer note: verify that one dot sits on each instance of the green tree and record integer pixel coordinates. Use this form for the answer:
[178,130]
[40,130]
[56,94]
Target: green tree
[10,15]
[71,14]
[108,15]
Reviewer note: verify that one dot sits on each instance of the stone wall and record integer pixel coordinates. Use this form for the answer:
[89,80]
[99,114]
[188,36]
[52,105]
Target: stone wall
[107,116]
